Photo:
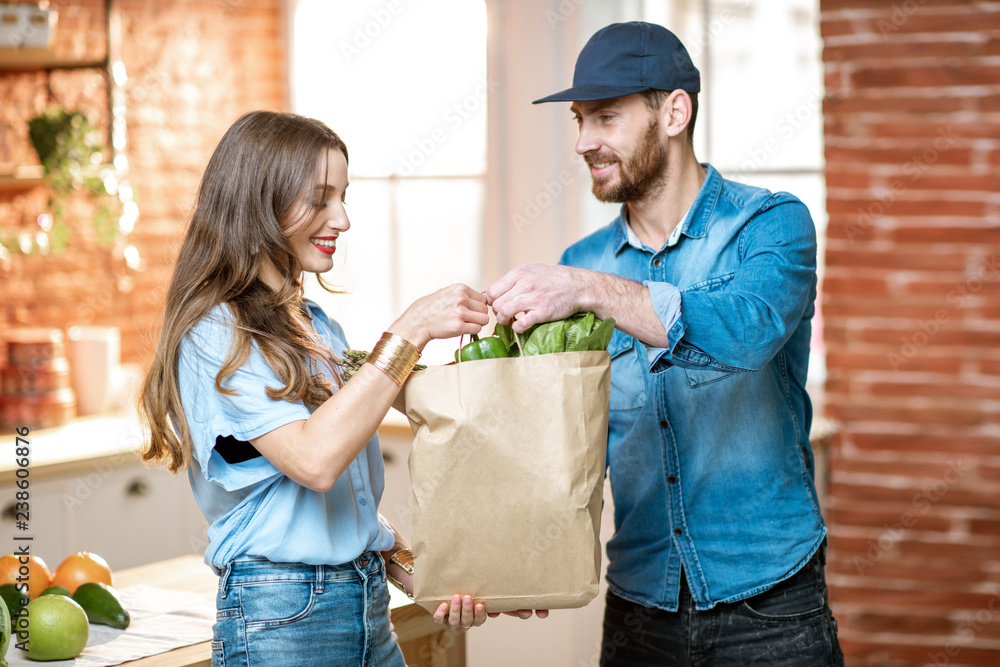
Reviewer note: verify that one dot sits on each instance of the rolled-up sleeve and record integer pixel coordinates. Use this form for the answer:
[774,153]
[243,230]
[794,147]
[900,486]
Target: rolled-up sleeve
[666,300]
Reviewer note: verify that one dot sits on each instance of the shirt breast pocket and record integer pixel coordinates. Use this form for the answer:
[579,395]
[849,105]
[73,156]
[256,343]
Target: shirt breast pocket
[699,377]
[703,376]
[628,373]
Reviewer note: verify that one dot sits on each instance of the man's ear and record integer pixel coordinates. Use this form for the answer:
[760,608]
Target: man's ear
[675,113]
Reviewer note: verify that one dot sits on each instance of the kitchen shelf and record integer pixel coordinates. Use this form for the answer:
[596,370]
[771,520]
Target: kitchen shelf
[34,59]
[23,178]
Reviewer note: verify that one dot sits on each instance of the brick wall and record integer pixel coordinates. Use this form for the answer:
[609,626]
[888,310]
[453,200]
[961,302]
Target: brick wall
[912,328]
[193,68]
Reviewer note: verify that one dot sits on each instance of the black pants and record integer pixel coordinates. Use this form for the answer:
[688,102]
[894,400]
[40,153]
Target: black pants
[789,625]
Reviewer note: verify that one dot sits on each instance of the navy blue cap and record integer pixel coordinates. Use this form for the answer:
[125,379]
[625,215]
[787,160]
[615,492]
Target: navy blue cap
[627,58]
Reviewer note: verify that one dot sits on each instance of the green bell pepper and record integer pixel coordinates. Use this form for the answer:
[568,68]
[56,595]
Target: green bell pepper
[482,348]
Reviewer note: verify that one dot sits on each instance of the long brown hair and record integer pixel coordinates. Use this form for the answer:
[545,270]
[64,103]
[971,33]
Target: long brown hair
[254,189]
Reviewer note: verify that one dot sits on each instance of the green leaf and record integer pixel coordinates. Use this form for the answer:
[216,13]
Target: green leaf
[577,327]
[547,338]
[505,332]
[598,339]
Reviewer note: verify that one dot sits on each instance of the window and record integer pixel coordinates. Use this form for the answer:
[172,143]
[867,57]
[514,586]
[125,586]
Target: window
[405,87]
[760,119]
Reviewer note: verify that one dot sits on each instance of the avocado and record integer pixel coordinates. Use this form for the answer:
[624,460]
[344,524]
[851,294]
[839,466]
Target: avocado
[103,604]
[14,599]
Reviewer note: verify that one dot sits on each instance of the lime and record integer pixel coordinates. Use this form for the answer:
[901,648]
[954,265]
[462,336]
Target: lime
[57,628]
[57,590]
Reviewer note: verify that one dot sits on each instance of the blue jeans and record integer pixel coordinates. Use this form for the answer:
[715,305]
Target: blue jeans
[789,625]
[293,614]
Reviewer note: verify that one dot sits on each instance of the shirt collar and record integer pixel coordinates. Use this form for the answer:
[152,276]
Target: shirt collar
[694,224]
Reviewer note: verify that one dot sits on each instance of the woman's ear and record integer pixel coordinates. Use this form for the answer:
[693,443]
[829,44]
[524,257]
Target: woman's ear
[675,113]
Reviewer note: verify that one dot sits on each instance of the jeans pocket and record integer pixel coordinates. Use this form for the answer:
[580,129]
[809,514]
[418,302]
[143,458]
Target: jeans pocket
[800,597]
[218,655]
[273,604]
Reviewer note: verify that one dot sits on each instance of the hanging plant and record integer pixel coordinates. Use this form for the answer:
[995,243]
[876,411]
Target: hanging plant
[71,150]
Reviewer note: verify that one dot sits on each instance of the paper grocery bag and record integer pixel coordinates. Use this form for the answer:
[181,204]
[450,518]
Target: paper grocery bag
[507,470]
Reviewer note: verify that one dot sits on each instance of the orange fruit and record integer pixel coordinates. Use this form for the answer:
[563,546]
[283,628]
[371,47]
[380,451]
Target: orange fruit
[80,568]
[38,576]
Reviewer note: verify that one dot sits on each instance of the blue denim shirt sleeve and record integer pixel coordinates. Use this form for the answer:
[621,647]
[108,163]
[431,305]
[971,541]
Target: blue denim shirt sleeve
[738,322]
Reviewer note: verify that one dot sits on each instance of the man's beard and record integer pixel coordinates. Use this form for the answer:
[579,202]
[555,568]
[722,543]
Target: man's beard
[641,176]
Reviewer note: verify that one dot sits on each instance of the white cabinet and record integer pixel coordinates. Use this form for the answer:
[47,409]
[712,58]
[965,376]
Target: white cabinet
[46,523]
[89,497]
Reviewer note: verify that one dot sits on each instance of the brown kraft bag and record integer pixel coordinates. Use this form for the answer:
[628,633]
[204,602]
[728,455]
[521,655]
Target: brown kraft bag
[507,469]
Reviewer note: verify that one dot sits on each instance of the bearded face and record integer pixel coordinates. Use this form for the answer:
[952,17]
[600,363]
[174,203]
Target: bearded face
[639,174]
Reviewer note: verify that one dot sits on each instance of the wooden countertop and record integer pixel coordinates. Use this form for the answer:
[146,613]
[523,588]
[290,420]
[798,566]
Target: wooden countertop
[189,573]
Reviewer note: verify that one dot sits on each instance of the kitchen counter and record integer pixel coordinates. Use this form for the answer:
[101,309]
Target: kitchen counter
[424,643]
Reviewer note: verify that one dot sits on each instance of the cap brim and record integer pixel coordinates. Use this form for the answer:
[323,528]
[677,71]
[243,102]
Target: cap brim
[590,93]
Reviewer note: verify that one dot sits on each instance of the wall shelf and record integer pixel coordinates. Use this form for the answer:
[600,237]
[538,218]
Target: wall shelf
[34,59]
[22,178]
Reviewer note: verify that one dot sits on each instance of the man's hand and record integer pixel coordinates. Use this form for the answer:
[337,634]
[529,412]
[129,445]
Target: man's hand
[541,292]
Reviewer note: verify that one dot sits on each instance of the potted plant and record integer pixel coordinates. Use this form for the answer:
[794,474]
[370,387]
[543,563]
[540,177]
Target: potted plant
[72,152]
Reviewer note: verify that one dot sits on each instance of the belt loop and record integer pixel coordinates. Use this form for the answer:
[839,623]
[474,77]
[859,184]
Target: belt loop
[224,579]
[320,577]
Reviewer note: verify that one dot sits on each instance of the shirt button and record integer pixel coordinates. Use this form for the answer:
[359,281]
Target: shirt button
[664,423]
[678,532]
[657,262]
[363,501]
[671,479]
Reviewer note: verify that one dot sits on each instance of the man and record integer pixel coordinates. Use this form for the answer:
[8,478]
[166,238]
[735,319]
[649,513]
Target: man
[718,551]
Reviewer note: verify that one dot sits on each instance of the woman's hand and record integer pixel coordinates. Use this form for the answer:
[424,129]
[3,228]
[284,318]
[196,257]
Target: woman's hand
[451,311]
[461,614]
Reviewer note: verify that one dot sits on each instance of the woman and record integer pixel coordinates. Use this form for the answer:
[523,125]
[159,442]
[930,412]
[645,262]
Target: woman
[245,391]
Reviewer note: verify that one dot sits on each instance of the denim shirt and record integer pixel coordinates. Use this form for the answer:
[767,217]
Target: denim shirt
[708,440]
[253,509]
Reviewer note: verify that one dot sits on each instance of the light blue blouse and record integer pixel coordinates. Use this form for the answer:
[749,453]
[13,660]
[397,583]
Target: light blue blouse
[253,509]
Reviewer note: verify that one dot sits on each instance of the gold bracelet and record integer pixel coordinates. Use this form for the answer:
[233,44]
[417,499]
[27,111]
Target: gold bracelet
[404,559]
[394,356]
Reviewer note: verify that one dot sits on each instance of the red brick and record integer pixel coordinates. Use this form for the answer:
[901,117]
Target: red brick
[989,103]
[897,260]
[891,53]
[858,564]
[878,652]
[896,622]
[887,521]
[977,235]
[955,443]
[949,389]
[926,362]
[910,599]
[945,337]
[914,126]
[834,105]
[833,284]
[955,155]
[946,74]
